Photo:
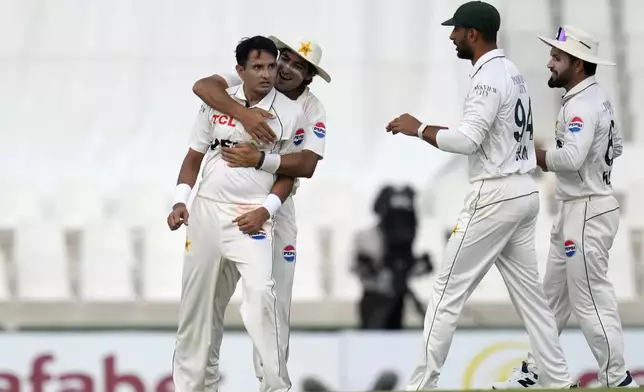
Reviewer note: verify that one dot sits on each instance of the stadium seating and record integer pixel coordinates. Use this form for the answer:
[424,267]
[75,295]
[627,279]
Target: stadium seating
[5,292]
[107,270]
[162,263]
[42,268]
[97,109]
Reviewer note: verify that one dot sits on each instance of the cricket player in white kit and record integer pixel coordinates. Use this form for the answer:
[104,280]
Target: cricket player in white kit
[497,224]
[298,63]
[587,141]
[231,223]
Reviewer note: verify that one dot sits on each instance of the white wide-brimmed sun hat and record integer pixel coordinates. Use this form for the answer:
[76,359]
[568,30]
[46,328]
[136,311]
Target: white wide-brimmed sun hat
[308,49]
[577,43]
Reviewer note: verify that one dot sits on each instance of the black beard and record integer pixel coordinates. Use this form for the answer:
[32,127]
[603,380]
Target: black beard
[464,53]
[555,82]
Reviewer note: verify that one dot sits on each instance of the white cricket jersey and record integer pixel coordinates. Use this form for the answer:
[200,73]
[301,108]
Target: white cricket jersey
[213,129]
[315,131]
[497,116]
[588,139]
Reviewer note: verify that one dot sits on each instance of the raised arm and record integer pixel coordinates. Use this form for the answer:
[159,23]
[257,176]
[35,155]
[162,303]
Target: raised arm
[212,90]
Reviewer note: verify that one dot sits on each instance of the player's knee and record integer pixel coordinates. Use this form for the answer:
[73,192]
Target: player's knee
[263,291]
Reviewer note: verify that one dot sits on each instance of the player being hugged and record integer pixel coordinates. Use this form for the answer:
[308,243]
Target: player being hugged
[231,222]
[297,65]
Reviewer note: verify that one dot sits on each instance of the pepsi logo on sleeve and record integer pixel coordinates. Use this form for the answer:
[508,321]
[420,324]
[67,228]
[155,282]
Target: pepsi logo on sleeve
[320,130]
[299,137]
[576,124]
[570,248]
[289,253]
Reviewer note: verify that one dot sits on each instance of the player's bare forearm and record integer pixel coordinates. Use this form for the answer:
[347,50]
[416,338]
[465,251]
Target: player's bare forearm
[430,132]
[541,159]
[283,187]
[298,164]
[212,90]
[190,168]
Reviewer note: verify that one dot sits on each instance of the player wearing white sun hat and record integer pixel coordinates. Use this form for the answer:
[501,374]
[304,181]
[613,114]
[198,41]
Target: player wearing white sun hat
[587,142]
[298,63]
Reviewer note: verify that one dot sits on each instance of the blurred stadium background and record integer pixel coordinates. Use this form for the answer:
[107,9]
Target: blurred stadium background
[96,108]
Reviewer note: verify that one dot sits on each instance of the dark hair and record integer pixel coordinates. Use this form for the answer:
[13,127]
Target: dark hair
[589,68]
[247,45]
[488,36]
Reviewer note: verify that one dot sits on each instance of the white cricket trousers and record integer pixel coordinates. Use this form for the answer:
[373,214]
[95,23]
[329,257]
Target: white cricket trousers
[284,259]
[213,239]
[496,226]
[576,279]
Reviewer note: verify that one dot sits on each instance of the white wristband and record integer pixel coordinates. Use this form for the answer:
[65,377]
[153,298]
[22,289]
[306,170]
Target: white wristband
[421,129]
[181,194]
[272,203]
[271,163]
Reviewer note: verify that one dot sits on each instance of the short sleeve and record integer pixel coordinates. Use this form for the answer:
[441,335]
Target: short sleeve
[481,107]
[201,136]
[315,130]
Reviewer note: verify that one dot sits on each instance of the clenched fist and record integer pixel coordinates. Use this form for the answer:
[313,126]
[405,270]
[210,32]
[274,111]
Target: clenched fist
[178,216]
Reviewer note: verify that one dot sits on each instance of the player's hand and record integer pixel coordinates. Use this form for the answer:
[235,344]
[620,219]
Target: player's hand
[178,216]
[254,122]
[251,222]
[406,124]
[243,154]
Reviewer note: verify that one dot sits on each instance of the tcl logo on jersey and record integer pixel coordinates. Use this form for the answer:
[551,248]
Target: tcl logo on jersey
[223,143]
[576,124]
[223,119]
[260,235]
[289,253]
[570,248]
[320,130]
[299,137]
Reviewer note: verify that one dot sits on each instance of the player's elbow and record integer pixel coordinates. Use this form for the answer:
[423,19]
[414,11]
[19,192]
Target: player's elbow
[308,163]
[199,87]
[203,86]
[470,148]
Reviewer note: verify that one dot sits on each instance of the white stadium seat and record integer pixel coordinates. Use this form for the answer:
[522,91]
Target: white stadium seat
[41,262]
[5,293]
[620,266]
[162,262]
[22,202]
[107,262]
[144,203]
[77,202]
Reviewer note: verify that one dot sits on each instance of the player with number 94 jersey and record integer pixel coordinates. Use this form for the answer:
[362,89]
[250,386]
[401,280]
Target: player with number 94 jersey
[500,92]
[497,223]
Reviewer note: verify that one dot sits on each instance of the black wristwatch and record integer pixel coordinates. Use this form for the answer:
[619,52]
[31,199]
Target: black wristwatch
[261,160]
